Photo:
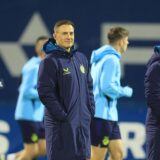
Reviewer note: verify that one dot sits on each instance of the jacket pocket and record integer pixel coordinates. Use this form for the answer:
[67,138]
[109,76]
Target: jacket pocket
[54,136]
[82,141]
[59,142]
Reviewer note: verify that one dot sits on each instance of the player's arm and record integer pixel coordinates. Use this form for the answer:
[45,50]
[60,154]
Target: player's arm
[152,89]
[90,92]
[108,81]
[29,84]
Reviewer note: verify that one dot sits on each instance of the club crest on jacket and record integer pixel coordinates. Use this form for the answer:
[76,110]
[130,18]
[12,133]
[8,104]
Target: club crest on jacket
[82,69]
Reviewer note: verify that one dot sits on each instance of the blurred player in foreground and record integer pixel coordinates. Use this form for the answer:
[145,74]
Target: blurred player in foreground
[29,111]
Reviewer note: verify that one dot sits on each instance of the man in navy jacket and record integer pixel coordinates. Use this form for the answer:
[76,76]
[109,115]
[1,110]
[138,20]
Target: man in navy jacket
[152,95]
[65,88]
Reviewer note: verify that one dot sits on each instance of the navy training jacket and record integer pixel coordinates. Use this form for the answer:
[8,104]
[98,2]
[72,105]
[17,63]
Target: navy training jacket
[65,88]
[152,87]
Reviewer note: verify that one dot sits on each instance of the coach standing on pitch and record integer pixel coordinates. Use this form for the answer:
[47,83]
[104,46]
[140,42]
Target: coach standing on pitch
[65,88]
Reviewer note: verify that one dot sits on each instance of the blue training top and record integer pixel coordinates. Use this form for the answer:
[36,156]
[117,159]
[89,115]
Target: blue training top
[105,71]
[29,106]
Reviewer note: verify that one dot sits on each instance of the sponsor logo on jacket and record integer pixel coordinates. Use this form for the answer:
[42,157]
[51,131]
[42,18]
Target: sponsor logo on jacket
[66,71]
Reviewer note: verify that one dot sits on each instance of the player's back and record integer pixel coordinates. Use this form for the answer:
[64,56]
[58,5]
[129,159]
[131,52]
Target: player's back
[28,105]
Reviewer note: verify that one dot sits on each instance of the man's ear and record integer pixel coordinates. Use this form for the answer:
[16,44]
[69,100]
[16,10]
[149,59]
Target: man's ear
[54,35]
[120,42]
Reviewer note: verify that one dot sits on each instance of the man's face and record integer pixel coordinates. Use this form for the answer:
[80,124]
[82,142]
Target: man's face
[64,36]
[123,44]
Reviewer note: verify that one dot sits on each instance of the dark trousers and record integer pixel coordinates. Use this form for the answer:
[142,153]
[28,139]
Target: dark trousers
[153,143]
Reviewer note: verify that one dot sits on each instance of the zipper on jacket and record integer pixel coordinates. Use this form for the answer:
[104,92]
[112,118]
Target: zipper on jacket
[72,60]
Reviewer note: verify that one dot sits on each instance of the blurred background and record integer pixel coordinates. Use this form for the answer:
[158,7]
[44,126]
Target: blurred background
[22,21]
